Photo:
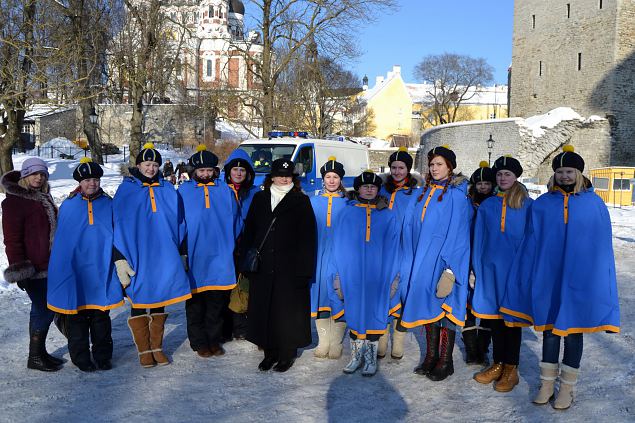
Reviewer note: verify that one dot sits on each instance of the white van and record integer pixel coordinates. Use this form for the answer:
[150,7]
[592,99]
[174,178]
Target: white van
[309,154]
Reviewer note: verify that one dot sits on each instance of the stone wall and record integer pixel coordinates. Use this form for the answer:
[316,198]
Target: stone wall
[54,125]
[378,159]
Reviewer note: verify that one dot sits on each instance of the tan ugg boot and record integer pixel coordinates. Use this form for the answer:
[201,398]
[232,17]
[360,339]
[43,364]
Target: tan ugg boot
[323,327]
[568,379]
[335,339]
[548,375]
[508,379]
[382,345]
[140,329]
[157,324]
[489,375]
[398,339]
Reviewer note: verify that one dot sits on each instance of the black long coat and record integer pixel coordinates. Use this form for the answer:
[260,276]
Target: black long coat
[279,313]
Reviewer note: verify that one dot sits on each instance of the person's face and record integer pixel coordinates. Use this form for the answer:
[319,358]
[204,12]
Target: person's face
[439,168]
[205,173]
[484,187]
[89,186]
[565,175]
[148,169]
[398,171]
[368,191]
[332,181]
[238,174]
[281,180]
[505,179]
[36,180]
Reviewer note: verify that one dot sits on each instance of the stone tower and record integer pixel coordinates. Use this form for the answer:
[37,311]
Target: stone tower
[579,54]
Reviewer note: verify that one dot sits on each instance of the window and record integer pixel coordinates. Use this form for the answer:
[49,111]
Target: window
[568,10]
[533,21]
[600,4]
[305,156]
[263,155]
[540,68]
[621,184]
[211,11]
[579,61]
[601,183]
[208,73]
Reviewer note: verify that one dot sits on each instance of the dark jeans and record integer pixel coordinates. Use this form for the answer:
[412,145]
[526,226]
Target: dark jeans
[204,313]
[506,342]
[134,312]
[96,325]
[40,317]
[572,348]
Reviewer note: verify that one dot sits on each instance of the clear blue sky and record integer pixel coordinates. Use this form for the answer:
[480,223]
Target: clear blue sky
[479,28]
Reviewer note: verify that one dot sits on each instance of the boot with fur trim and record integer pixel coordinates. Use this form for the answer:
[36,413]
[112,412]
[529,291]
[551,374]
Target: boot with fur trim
[157,324]
[335,339]
[568,379]
[398,339]
[382,346]
[548,376]
[323,327]
[140,329]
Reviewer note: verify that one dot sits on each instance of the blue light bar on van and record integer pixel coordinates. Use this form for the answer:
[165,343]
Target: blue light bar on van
[293,134]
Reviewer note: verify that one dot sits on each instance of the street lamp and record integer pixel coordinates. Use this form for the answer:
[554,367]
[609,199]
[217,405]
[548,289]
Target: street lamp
[490,146]
[93,120]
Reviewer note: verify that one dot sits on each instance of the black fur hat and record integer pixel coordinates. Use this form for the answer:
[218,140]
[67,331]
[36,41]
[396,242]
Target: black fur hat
[508,163]
[401,155]
[282,167]
[148,154]
[483,174]
[367,177]
[568,158]
[203,158]
[87,169]
[445,152]
[332,165]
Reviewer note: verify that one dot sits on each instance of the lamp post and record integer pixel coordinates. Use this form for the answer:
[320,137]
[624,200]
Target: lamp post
[490,146]
[93,121]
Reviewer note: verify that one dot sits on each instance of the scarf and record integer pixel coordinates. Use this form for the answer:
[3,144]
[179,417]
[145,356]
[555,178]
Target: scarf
[278,193]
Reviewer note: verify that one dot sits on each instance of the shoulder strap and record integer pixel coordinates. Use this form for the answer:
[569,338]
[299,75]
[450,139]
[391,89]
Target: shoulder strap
[267,233]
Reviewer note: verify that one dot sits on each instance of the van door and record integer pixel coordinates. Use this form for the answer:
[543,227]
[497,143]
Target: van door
[306,156]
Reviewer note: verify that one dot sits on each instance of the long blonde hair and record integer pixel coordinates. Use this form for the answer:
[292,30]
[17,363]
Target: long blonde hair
[515,196]
[46,188]
[579,185]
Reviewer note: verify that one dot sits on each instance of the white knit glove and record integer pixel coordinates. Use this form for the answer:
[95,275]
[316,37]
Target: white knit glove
[124,272]
[472,280]
[445,284]
[337,285]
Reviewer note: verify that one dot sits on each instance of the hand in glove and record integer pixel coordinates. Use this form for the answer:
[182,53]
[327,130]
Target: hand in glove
[445,284]
[337,285]
[472,280]
[186,266]
[124,272]
[395,285]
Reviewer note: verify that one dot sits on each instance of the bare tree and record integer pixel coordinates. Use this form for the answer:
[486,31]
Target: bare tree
[453,79]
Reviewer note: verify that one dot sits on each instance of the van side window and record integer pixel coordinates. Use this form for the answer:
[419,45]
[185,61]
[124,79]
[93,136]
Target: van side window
[305,156]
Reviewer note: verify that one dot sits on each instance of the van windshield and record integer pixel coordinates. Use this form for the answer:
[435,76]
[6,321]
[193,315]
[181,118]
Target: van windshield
[262,155]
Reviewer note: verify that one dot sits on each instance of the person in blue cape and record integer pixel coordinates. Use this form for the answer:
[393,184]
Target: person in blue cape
[435,258]
[149,242]
[239,177]
[212,228]
[364,270]
[476,337]
[563,276]
[498,231]
[400,188]
[82,278]
[327,206]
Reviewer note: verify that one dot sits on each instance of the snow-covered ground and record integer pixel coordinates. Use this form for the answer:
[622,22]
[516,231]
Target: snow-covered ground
[230,388]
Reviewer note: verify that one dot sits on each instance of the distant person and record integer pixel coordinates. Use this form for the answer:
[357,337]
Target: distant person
[168,172]
[262,160]
[29,219]
[83,283]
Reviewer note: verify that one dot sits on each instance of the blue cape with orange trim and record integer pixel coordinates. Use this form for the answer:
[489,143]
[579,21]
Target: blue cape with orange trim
[320,285]
[441,241]
[244,204]
[81,274]
[400,200]
[366,269]
[150,240]
[563,276]
[212,228]
[493,251]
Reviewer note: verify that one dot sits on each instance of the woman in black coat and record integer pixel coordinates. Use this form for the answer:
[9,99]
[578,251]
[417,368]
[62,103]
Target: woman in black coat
[279,319]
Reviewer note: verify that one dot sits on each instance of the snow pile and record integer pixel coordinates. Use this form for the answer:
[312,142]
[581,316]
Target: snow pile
[59,142]
[234,132]
[537,124]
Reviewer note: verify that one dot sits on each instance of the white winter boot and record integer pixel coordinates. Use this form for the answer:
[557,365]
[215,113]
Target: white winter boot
[398,339]
[383,343]
[335,339]
[323,330]
[357,351]
[548,376]
[370,358]
[568,379]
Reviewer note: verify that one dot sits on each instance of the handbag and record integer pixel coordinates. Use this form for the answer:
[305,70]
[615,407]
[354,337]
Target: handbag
[250,263]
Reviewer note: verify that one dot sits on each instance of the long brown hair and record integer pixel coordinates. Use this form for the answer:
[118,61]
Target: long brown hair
[448,181]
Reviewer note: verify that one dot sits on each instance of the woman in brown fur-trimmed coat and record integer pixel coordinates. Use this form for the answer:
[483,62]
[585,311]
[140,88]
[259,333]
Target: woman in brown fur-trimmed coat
[28,223]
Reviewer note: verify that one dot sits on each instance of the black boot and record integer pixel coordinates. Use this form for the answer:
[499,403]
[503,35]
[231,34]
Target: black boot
[286,358]
[432,350]
[483,340]
[36,360]
[445,366]
[271,357]
[52,360]
[473,353]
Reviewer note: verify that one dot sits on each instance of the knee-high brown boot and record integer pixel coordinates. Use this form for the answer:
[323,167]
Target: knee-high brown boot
[140,329]
[157,323]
